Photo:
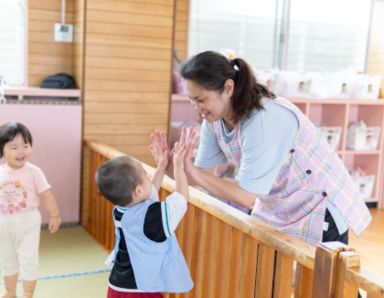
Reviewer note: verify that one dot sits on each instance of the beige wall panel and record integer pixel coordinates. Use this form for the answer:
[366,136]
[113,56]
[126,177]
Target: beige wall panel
[42,70]
[181,28]
[39,36]
[44,26]
[117,107]
[51,5]
[78,42]
[46,57]
[129,30]
[182,5]
[181,37]
[41,61]
[54,49]
[127,85]
[122,63]
[34,80]
[123,52]
[125,41]
[127,130]
[78,50]
[140,8]
[49,16]
[129,18]
[141,140]
[128,117]
[118,74]
[135,86]
[183,16]
[119,96]
[376,46]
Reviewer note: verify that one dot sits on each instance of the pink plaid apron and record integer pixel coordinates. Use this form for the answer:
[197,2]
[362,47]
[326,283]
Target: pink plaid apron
[311,175]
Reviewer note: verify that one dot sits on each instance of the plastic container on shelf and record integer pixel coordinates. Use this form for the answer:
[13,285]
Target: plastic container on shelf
[361,137]
[364,184]
[332,135]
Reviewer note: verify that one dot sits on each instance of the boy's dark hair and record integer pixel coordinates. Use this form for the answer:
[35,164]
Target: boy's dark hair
[10,130]
[211,70]
[117,179]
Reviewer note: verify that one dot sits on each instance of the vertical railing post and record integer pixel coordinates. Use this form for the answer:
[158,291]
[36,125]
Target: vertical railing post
[303,281]
[347,259]
[324,277]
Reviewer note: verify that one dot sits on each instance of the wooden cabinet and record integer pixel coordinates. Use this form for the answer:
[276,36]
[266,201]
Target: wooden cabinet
[327,113]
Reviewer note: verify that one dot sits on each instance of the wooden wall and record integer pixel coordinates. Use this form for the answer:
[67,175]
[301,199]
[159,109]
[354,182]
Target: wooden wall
[46,57]
[128,59]
[181,28]
[78,42]
[376,44]
[123,49]
[121,57]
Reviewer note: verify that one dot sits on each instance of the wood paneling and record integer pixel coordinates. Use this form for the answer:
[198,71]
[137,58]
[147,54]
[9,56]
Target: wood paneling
[121,59]
[230,254]
[181,28]
[78,42]
[376,42]
[128,50]
[45,56]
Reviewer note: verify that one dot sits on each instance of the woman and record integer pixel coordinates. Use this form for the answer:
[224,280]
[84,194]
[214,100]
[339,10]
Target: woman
[287,173]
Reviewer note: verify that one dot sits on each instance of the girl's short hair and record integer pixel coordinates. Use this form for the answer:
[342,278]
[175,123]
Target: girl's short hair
[10,130]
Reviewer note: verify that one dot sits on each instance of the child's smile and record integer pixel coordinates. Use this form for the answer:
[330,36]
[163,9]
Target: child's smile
[17,152]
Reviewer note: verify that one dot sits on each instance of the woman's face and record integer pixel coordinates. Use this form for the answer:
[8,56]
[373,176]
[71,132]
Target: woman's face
[211,105]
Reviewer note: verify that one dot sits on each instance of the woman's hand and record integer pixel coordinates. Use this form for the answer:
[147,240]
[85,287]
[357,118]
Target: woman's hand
[188,140]
[178,157]
[159,149]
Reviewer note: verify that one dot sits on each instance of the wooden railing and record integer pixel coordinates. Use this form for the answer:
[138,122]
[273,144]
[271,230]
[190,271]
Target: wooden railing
[232,255]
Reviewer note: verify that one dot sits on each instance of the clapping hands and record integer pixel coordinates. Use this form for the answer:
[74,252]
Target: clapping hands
[163,155]
[159,149]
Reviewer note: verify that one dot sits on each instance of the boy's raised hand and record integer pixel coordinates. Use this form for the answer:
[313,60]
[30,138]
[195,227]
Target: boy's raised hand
[188,140]
[178,156]
[179,151]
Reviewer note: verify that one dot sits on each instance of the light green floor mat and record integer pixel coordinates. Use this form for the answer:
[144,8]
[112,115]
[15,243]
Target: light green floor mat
[71,266]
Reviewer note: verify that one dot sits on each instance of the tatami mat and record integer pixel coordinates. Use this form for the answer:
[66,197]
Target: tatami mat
[71,266]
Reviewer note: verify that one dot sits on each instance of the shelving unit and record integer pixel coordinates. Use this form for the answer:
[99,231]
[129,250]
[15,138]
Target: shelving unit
[341,113]
[327,112]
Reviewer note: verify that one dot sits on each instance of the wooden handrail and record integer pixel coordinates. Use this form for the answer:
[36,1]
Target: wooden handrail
[231,254]
[235,218]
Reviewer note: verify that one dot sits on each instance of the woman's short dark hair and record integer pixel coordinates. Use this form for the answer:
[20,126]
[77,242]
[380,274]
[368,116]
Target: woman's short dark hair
[10,130]
[211,70]
[117,179]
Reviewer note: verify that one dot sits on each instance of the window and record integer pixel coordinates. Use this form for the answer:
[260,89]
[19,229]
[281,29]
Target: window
[219,24]
[328,35]
[300,35]
[13,25]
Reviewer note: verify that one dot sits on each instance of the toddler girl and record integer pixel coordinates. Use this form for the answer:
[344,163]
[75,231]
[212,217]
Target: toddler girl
[22,186]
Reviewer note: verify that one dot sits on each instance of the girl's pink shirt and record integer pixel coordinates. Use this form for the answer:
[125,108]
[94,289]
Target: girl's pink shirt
[20,188]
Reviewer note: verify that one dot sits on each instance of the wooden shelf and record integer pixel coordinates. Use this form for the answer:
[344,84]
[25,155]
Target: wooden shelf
[362,152]
[371,200]
[331,101]
[26,92]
